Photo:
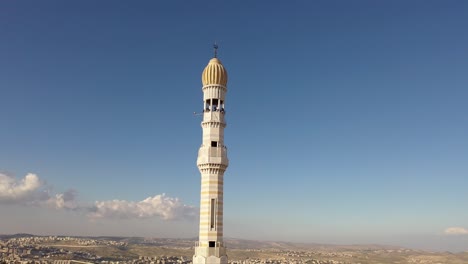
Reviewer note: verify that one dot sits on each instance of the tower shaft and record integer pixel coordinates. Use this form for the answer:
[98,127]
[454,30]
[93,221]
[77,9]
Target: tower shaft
[212,162]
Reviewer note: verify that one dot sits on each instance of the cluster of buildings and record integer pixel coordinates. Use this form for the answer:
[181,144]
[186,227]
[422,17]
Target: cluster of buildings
[42,255]
[31,240]
[54,250]
[288,261]
[161,260]
[310,254]
[32,250]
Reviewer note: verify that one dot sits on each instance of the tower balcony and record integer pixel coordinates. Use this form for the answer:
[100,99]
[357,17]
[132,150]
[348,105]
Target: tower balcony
[203,250]
[213,155]
[213,117]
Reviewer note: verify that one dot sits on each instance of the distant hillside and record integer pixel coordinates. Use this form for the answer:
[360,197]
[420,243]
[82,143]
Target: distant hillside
[231,243]
[234,243]
[16,235]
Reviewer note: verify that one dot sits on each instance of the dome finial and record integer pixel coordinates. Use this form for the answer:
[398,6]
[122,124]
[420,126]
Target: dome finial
[214,73]
[215,46]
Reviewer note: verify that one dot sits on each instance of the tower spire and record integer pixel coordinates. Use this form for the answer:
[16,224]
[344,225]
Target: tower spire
[215,47]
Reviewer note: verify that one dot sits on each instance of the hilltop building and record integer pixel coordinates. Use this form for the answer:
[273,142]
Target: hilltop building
[212,162]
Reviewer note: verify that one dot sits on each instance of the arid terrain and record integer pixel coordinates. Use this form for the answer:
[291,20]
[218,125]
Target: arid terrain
[53,249]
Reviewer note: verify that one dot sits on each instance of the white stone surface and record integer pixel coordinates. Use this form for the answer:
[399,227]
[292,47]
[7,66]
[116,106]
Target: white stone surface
[212,162]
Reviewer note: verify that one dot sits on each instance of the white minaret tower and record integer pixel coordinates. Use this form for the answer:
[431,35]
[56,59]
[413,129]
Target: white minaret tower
[212,162]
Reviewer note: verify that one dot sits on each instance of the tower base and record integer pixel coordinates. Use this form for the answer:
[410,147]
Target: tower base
[210,255]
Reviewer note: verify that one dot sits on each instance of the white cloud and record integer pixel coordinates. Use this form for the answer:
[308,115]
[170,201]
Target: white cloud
[12,190]
[33,192]
[456,231]
[167,208]
[66,200]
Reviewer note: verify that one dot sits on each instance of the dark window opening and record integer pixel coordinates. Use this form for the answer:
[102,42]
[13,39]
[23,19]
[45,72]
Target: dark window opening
[214,143]
[211,244]
[215,104]
[207,105]
[212,218]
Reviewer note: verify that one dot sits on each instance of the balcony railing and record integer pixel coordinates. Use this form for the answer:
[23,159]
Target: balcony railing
[214,116]
[217,250]
[213,152]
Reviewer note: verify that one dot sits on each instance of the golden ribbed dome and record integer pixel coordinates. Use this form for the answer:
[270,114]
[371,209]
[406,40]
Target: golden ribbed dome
[214,73]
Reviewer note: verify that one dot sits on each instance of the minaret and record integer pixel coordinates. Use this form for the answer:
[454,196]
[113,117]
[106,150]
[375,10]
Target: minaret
[212,162]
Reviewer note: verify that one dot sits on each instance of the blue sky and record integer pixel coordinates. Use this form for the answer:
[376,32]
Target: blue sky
[347,120]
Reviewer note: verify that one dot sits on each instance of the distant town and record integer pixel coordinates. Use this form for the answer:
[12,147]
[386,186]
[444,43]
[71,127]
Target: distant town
[30,249]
